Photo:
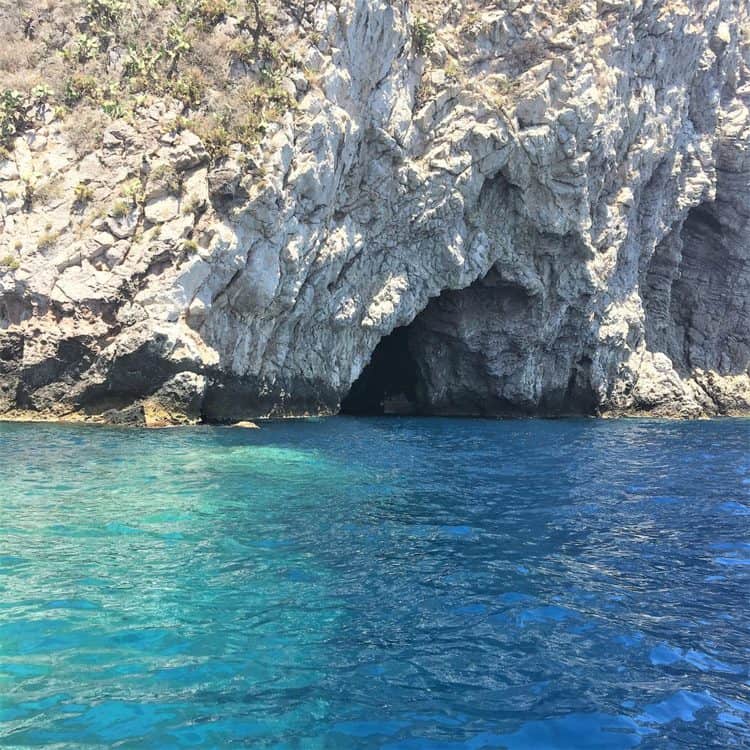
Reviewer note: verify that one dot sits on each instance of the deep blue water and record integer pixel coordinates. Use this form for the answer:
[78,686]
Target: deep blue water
[384,583]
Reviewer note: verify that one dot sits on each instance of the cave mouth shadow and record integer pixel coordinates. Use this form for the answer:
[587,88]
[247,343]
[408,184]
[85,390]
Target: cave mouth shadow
[389,383]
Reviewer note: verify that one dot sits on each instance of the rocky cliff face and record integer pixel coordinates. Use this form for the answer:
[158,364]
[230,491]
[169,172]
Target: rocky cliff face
[555,203]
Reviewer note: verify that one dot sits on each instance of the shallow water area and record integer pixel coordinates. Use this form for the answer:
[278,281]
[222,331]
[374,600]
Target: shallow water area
[377,583]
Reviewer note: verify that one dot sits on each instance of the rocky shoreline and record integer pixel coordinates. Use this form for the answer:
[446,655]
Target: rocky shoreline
[506,211]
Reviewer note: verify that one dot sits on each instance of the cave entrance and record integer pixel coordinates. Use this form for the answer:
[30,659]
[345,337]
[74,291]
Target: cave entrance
[388,384]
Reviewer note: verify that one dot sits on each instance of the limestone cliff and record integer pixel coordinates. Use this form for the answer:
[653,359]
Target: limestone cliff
[554,198]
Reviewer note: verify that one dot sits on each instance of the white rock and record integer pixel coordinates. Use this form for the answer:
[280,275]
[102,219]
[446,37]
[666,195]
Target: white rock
[563,223]
[162,209]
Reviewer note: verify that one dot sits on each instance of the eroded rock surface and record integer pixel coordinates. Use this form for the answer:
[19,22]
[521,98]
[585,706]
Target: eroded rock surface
[555,200]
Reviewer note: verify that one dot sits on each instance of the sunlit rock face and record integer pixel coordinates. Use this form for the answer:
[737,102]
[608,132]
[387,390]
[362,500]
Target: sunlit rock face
[555,202]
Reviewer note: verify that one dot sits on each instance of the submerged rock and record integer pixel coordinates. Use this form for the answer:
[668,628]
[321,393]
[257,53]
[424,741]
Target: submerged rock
[555,203]
[246,425]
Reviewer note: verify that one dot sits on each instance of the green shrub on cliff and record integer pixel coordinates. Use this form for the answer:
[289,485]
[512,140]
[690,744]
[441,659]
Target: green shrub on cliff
[210,12]
[79,87]
[120,209]
[133,191]
[14,115]
[10,262]
[423,36]
[84,47]
[190,88]
[83,193]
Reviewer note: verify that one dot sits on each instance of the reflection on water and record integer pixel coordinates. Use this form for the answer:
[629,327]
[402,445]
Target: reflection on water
[386,583]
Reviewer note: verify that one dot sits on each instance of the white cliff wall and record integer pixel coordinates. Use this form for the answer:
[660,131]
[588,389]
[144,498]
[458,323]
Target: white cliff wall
[558,200]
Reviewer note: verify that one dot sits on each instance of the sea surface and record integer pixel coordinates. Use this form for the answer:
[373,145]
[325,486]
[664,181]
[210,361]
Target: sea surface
[376,583]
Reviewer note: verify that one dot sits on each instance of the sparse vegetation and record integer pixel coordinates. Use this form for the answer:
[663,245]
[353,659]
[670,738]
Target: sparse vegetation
[14,112]
[47,239]
[84,48]
[574,11]
[120,209]
[472,25]
[79,87]
[10,262]
[43,192]
[83,193]
[453,70]
[113,56]
[243,120]
[193,206]
[28,181]
[165,176]
[84,133]
[423,36]
[133,191]
[190,88]
[210,12]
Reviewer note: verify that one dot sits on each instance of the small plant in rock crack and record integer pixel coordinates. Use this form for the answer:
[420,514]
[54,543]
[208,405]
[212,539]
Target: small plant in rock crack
[189,247]
[120,209]
[134,192]
[10,262]
[47,239]
[83,193]
[423,36]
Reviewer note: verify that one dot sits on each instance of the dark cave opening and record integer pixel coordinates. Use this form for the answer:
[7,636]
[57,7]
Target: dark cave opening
[388,384]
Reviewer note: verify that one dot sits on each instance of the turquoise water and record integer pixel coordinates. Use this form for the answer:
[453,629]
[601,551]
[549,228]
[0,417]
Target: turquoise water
[376,583]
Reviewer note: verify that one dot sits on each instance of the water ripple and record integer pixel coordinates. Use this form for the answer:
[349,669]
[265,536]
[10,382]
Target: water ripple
[390,583]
